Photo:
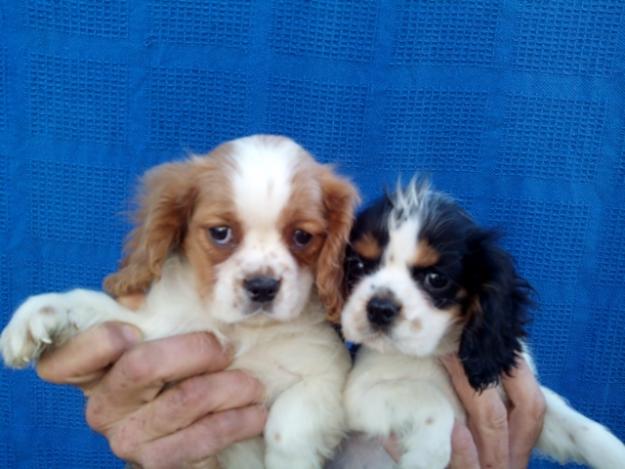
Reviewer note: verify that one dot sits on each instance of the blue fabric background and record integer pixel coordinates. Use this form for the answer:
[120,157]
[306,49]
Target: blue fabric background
[515,107]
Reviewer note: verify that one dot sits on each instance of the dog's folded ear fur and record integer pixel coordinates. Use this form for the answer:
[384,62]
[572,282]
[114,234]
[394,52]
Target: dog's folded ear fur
[166,200]
[496,312]
[340,198]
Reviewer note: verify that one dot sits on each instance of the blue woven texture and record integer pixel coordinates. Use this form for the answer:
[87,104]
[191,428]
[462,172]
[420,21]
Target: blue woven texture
[515,107]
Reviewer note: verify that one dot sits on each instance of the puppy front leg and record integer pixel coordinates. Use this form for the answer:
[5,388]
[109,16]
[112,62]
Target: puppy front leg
[417,413]
[305,425]
[48,320]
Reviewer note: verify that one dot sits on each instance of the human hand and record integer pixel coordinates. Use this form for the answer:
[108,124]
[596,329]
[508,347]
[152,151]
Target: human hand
[497,437]
[133,403]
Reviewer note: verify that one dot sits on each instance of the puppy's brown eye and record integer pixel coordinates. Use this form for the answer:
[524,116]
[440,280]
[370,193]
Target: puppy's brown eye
[435,281]
[221,234]
[301,238]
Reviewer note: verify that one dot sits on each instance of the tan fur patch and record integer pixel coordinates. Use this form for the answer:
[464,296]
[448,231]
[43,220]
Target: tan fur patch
[368,247]
[426,255]
[171,196]
[339,198]
[215,207]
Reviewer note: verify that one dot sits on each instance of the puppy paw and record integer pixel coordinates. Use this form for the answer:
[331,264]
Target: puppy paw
[40,322]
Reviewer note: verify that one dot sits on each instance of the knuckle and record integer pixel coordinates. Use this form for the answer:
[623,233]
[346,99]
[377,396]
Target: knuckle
[220,429]
[205,344]
[122,446]
[111,336]
[94,414]
[136,365]
[495,415]
[254,418]
[183,395]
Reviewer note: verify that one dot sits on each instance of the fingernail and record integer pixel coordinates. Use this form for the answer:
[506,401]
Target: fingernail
[132,334]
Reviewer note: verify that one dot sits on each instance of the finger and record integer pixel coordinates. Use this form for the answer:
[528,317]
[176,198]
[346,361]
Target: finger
[526,415]
[487,416]
[461,384]
[489,426]
[84,357]
[180,406]
[464,453]
[392,447]
[204,438]
[141,373]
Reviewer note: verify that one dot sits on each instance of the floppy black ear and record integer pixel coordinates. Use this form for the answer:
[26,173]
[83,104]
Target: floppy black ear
[496,312]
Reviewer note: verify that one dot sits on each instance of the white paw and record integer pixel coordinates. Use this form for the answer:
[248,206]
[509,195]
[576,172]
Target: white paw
[40,322]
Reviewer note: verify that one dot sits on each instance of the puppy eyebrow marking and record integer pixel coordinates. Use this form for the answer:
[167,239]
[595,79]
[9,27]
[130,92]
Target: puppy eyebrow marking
[367,246]
[425,255]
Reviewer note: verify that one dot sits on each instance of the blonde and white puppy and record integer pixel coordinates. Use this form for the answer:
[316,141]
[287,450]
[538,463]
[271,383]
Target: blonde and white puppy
[424,280]
[245,242]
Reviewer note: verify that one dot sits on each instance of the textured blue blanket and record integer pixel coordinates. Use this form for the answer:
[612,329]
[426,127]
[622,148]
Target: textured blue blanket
[516,107]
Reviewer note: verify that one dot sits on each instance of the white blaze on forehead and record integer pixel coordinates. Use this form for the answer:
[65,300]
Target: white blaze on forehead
[405,222]
[402,243]
[262,178]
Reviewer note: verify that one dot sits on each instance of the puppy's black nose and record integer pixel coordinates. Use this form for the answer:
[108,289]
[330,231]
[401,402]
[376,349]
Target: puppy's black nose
[262,289]
[382,311]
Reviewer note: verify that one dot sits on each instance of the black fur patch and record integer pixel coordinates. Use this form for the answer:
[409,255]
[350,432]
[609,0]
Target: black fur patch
[472,272]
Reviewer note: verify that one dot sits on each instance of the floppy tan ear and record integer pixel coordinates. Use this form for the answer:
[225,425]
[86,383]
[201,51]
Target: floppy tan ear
[166,199]
[340,198]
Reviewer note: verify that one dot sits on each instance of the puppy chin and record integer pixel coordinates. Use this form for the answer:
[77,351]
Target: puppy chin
[391,341]
[381,343]
[434,343]
[411,345]
[416,347]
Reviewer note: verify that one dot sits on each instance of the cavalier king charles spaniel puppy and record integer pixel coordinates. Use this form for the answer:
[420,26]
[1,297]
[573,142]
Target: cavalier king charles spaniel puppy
[424,280]
[246,242]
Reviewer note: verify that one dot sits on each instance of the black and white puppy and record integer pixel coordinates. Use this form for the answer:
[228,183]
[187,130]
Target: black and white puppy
[424,280]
